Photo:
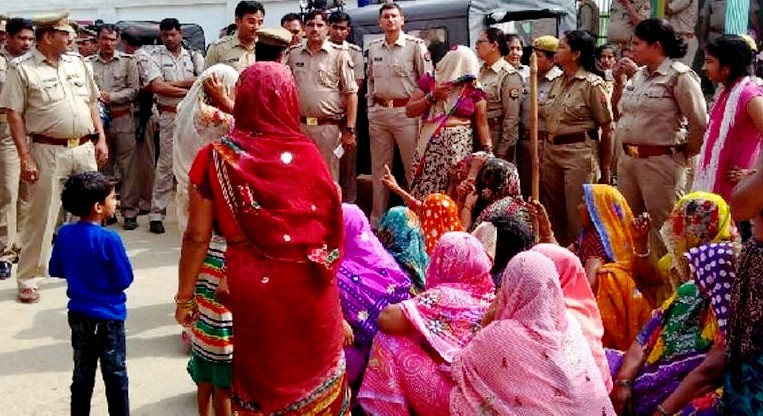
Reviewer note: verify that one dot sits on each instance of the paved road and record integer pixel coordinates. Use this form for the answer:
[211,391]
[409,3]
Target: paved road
[35,354]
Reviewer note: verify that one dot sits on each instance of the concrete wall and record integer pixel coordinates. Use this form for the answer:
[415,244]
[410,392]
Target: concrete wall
[210,14]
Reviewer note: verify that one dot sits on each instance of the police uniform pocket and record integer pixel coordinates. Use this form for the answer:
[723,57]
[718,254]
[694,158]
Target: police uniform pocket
[52,92]
[380,69]
[401,70]
[328,79]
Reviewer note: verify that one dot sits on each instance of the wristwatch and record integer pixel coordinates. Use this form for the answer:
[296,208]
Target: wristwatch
[350,130]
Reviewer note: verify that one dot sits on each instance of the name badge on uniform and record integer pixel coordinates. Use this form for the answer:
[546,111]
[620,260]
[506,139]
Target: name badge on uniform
[377,59]
[311,121]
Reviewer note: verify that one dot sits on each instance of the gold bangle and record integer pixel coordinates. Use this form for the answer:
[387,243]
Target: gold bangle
[185,304]
[643,255]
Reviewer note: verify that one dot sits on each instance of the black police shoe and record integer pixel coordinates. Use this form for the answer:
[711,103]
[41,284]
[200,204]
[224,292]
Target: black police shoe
[156,227]
[5,270]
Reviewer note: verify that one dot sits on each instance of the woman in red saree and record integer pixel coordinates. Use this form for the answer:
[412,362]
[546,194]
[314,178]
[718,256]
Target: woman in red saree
[265,188]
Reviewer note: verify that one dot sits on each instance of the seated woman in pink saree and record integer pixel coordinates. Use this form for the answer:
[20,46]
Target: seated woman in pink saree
[408,369]
[532,359]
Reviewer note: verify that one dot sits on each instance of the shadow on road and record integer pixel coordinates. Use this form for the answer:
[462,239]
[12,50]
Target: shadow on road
[182,404]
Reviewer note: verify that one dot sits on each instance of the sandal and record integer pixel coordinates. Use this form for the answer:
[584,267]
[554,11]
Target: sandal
[29,295]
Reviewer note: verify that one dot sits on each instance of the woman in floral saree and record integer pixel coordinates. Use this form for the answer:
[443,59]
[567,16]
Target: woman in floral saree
[265,187]
[407,370]
[676,363]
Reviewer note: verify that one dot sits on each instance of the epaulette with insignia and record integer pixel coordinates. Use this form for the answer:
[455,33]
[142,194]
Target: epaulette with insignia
[353,46]
[680,67]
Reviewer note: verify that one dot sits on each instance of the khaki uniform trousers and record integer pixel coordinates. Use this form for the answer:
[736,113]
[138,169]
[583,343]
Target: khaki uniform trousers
[653,185]
[10,177]
[163,175]
[387,127]
[564,170]
[348,176]
[525,164]
[55,164]
[326,137]
[122,153]
[145,159]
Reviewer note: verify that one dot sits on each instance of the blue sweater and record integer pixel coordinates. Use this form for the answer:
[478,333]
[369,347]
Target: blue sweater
[94,263]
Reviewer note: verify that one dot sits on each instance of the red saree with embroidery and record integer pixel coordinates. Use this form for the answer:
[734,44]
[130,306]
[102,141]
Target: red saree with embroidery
[277,206]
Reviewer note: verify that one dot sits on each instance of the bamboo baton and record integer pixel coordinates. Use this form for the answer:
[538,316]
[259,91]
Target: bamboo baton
[534,126]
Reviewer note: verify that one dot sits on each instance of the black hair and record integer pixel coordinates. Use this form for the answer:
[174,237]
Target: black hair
[510,37]
[288,17]
[230,29]
[390,6]
[582,41]
[169,23]
[312,14]
[83,190]
[17,24]
[131,39]
[493,34]
[109,28]
[653,30]
[514,237]
[604,47]
[339,17]
[268,53]
[249,7]
[733,52]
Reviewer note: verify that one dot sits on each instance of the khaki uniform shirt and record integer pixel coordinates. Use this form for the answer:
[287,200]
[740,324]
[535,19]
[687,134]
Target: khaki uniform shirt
[165,66]
[576,104]
[228,50]
[683,15]
[357,58]
[143,62]
[323,79]
[118,76]
[503,87]
[54,100]
[544,86]
[5,60]
[664,108]
[394,70]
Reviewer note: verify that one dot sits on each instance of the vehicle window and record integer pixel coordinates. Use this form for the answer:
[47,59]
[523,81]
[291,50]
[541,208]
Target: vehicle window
[529,29]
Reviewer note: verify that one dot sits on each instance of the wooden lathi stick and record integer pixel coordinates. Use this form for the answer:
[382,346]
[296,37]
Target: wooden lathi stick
[534,126]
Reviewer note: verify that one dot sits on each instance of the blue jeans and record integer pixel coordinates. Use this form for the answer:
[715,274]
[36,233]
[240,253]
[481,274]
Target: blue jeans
[92,340]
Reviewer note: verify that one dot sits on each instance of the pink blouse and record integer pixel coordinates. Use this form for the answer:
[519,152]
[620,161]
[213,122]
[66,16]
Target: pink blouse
[466,107]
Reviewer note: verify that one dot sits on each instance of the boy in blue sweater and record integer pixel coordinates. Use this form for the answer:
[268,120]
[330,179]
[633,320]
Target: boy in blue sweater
[94,263]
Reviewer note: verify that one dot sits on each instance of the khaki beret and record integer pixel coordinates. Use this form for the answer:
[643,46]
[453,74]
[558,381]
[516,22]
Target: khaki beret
[56,21]
[546,43]
[276,36]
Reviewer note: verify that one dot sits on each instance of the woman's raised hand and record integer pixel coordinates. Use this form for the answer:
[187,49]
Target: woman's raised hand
[389,179]
[441,92]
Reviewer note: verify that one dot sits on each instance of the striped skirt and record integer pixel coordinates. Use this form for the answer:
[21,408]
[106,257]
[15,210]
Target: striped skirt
[212,334]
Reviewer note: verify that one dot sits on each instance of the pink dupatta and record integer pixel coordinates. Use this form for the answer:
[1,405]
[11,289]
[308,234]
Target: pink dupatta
[533,359]
[580,302]
[458,292]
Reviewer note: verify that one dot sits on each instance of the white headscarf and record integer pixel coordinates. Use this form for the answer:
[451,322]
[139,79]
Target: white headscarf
[198,123]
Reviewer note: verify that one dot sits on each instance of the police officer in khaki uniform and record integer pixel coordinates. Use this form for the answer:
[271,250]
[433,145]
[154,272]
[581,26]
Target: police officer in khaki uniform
[146,123]
[661,125]
[50,97]
[395,64]
[117,77]
[272,44]
[503,87]
[328,94]
[20,38]
[86,42]
[545,48]
[173,71]
[576,109]
[237,50]
[339,32]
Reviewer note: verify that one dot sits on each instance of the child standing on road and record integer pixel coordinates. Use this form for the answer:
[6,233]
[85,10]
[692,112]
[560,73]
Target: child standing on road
[94,263]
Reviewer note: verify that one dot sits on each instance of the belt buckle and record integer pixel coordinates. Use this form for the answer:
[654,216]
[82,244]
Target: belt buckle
[311,121]
[632,150]
[389,103]
[72,142]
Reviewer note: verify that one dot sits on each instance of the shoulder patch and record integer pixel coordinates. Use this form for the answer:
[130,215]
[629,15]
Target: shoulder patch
[680,67]
[594,79]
